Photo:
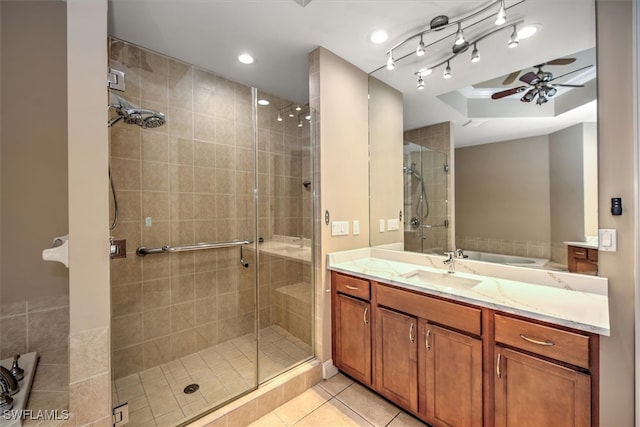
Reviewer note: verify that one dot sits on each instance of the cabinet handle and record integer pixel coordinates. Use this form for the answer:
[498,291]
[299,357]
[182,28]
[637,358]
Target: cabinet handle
[535,341]
[411,337]
[364,316]
[426,339]
[353,288]
[580,253]
[498,373]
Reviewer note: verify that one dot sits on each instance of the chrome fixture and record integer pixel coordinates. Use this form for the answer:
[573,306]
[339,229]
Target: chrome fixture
[450,261]
[494,11]
[416,221]
[8,383]
[16,370]
[134,115]
[460,253]
[142,251]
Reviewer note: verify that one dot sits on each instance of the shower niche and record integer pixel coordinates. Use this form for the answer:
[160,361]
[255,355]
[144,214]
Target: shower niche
[222,176]
[425,189]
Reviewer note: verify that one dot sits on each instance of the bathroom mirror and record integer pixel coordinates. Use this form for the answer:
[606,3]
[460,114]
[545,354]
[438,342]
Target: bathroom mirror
[520,177]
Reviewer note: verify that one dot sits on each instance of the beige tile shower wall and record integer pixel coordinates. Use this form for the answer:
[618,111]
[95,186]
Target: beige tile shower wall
[438,187]
[192,181]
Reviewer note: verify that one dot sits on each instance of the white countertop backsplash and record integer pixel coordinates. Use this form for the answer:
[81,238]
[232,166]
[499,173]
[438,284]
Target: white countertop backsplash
[568,299]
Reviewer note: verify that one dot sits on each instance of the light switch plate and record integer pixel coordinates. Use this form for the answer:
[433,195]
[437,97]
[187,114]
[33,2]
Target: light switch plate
[356,227]
[382,225]
[607,240]
[339,228]
[393,224]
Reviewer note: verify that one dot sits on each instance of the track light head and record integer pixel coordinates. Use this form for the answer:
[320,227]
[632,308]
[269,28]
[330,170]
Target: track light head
[501,17]
[447,72]
[391,64]
[420,49]
[514,40]
[279,117]
[475,55]
[420,82]
[459,36]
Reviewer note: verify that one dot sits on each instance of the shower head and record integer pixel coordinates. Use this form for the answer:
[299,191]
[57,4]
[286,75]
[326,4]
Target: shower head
[134,115]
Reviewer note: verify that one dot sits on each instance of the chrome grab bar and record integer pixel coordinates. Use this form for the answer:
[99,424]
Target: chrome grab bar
[142,251]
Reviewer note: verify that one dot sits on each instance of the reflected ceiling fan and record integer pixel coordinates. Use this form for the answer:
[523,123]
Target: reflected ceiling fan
[540,85]
[558,61]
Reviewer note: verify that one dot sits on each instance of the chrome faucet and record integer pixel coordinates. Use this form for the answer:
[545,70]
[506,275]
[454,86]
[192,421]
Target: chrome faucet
[301,239]
[8,383]
[450,261]
[460,254]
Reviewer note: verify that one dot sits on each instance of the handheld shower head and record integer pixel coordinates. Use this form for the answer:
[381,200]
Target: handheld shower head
[134,115]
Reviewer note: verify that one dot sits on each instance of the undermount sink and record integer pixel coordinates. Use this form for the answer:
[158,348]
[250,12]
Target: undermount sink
[425,277]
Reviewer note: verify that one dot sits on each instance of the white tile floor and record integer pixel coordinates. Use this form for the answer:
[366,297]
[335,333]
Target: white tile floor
[156,396]
[338,402]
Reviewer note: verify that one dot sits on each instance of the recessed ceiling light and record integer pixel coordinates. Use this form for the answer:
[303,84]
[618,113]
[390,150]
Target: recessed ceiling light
[263,102]
[528,31]
[245,58]
[379,36]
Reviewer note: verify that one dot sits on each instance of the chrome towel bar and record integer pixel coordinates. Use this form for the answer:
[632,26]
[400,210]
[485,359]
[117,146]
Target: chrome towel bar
[142,251]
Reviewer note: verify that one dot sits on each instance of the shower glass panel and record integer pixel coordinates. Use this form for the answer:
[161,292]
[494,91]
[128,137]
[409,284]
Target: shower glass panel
[220,169]
[425,199]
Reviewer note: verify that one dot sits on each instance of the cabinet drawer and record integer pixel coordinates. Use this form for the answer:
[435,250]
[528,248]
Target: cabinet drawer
[445,313]
[353,286]
[577,252]
[546,341]
[592,254]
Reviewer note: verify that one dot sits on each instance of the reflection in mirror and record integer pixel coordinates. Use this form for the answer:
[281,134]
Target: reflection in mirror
[522,186]
[425,192]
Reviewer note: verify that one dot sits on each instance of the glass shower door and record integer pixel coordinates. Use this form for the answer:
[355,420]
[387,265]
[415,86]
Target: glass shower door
[425,199]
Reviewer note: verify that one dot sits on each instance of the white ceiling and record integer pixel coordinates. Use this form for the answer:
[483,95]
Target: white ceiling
[280,34]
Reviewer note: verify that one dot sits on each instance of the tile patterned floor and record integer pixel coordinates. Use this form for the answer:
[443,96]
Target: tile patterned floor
[338,402]
[156,396]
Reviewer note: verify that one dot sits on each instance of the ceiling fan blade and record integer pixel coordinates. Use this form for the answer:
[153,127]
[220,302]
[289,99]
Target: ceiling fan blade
[508,92]
[563,85]
[511,78]
[529,78]
[571,72]
[561,61]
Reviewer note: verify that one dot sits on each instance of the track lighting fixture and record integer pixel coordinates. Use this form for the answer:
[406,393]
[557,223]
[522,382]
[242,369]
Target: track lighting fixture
[279,117]
[459,35]
[299,122]
[420,48]
[447,72]
[294,111]
[514,40]
[501,17]
[298,108]
[480,20]
[391,64]
[475,56]
[420,82]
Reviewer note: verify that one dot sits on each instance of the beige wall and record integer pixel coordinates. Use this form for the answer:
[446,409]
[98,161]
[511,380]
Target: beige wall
[34,148]
[502,186]
[89,370]
[385,161]
[338,91]
[616,179]
[566,173]
[590,179]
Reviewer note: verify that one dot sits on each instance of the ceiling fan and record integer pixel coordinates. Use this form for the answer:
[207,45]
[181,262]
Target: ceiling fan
[539,85]
[558,61]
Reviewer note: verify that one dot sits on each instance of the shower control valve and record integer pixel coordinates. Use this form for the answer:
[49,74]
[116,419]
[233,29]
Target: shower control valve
[117,248]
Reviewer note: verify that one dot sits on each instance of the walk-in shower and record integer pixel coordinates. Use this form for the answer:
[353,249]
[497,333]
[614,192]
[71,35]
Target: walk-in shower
[425,199]
[215,295]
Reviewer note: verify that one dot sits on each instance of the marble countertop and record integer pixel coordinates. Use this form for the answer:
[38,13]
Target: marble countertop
[590,245]
[559,298]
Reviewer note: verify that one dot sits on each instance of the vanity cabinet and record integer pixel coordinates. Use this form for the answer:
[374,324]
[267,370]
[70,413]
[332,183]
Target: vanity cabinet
[396,357]
[452,380]
[456,364]
[351,336]
[541,375]
[582,260]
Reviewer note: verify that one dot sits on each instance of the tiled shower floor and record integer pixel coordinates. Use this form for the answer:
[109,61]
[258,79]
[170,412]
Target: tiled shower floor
[156,396]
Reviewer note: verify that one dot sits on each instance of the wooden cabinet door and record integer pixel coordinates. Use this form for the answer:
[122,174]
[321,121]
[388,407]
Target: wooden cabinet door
[353,337]
[396,357]
[453,372]
[531,392]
